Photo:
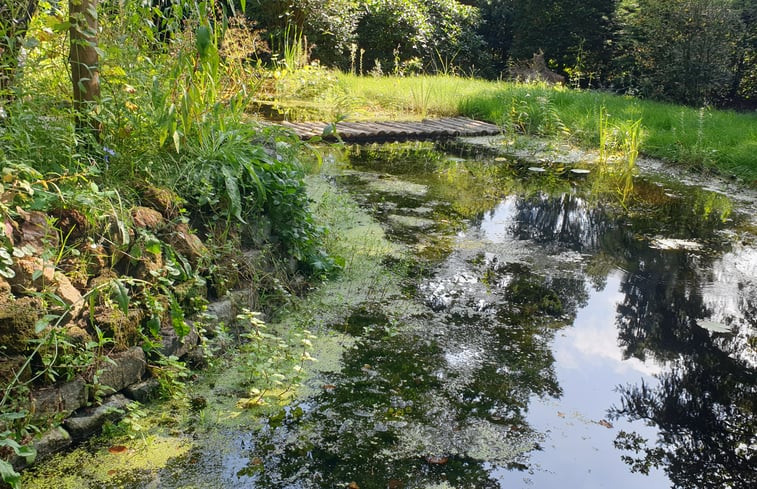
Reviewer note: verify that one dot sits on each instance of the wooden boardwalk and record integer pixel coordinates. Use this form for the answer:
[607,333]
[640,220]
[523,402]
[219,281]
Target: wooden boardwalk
[360,132]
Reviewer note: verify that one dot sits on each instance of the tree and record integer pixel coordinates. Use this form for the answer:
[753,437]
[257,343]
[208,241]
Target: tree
[681,50]
[572,33]
[744,86]
[85,71]
[15,16]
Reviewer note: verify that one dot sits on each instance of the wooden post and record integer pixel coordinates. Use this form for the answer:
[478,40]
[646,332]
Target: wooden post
[85,70]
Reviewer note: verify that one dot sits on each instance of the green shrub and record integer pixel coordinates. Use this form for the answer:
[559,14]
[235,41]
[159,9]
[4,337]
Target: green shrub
[440,33]
[328,26]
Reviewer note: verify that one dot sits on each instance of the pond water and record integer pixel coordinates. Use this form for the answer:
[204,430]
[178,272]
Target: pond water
[543,334]
[568,338]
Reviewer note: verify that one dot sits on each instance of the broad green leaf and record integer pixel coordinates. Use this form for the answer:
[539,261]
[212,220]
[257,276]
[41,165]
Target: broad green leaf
[177,319]
[153,326]
[9,475]
[153,246]
[177,140]
[41,324]
[202,36]
[121,295]
[232,192]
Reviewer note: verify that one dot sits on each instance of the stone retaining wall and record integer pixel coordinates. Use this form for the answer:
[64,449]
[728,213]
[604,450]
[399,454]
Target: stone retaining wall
[125,378]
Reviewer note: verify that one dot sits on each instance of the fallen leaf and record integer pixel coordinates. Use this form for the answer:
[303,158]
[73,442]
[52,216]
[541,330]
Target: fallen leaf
[562,415]
[605,423]
[112,472]
[117,449]
[329,387]
[353,485]
[435,460]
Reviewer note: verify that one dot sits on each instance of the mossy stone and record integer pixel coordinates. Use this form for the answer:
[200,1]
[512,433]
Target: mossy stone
[17,320]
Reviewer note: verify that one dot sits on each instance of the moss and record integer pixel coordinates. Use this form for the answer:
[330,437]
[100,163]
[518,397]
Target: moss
[123,328]
[106,466]
[17,319]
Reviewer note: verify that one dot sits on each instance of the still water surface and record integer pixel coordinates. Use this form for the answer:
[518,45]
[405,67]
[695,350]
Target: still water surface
[544,335]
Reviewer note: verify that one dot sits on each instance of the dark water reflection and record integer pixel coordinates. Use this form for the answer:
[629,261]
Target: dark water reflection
[559,342]
[550,299]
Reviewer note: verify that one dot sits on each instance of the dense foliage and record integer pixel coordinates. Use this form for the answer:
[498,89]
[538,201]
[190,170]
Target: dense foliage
[131,185]
[691,51]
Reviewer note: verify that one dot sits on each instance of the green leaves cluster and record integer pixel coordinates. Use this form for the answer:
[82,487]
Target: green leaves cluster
[274,363]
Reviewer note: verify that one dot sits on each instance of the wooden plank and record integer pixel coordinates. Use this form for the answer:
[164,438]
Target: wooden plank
[389,130]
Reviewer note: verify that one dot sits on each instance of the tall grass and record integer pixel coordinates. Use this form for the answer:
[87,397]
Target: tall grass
[409,97]
[704,139]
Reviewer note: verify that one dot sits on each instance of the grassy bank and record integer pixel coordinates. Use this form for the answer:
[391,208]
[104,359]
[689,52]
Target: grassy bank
[701,139]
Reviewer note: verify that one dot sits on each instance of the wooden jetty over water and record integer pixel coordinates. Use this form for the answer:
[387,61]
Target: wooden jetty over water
[361,132]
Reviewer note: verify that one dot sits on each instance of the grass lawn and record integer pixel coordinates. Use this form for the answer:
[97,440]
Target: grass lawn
[700,139]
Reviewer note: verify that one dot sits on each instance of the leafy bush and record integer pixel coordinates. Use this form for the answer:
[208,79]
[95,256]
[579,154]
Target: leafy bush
[328,26]
[679,50]
[438,32]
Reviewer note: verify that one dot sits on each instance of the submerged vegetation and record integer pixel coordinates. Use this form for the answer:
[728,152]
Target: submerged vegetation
[139,181]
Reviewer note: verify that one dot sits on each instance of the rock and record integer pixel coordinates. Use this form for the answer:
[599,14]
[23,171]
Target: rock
[196,359]
[163,200]
[123,328]
[175,346]
[106,276]
[144,391]
[97,259]
[76,270]
[32,273]
[185,292]
[46,445]
[77,335]
[89,421]
[147,218]
[37,230]
[186,243]
[10,366]
[17,323]
[125,368]
[70,295]
[52,442]
[216,314]
[5,287]
[72,223]
[149,264]
[9,226]
[64,398]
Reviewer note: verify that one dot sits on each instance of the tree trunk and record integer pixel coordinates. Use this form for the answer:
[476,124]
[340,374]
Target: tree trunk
[85,71]
[14,20]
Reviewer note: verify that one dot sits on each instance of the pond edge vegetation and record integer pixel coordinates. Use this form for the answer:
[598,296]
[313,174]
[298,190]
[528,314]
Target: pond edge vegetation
[123,214]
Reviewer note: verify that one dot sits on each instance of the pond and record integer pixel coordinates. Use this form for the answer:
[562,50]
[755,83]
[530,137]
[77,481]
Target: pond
[540,333]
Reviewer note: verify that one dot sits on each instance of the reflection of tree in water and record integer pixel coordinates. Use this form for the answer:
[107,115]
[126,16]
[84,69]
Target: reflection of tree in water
[704,408]
[567,221]
[704,404]
[390,417]
[444,401]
